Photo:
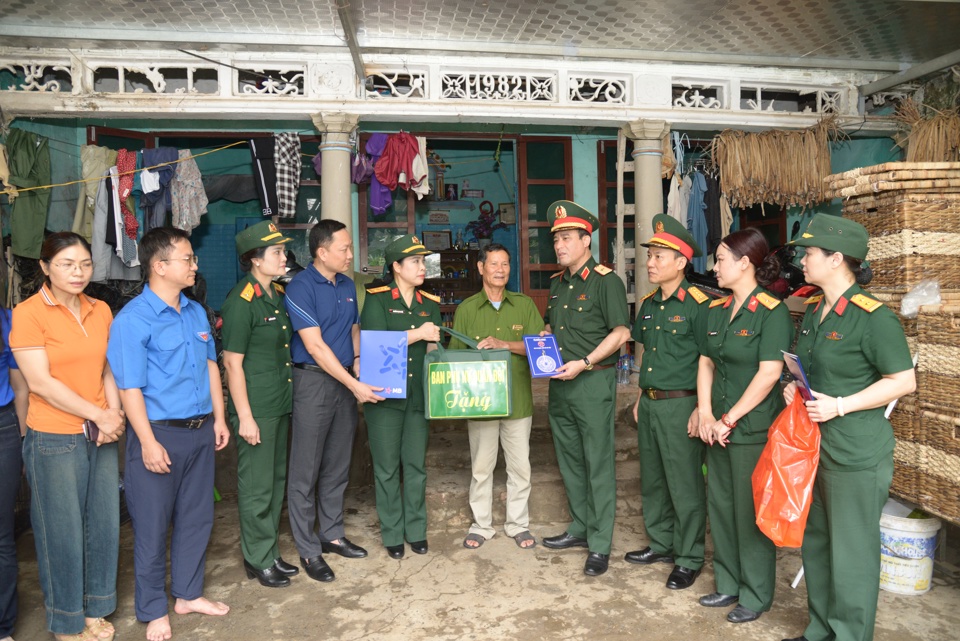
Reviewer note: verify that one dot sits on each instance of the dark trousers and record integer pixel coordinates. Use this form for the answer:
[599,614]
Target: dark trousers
[265,174]
[324,424]
[10,467]
[183,497]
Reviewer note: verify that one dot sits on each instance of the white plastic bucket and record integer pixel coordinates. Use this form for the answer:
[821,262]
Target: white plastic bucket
[906,551]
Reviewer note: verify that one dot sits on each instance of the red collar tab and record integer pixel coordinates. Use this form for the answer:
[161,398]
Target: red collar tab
[681,294]
[256,288]
[729,301]
[584,273]
[752,305]
[419,298]
[395,292]
[841,306]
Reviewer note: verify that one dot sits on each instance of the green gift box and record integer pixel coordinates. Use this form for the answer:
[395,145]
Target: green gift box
[467,383]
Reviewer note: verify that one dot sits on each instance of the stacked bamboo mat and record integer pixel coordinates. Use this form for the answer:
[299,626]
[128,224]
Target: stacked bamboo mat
[912,213]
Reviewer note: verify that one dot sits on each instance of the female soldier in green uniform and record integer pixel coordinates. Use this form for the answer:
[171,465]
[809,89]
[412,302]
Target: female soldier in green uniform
[397,428]
[852,347]
[256,355]
[739,369]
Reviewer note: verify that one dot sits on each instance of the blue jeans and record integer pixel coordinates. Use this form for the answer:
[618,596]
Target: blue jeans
[75,514]
[10,467]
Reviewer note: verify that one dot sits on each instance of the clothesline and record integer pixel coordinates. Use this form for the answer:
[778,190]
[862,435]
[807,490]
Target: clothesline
[20,190]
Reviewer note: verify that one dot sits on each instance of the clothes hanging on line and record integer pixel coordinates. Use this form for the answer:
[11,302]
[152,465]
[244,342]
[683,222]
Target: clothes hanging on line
[696,220]
[712,214]
[107,265]
[188,200]
[381,197]
[94,162]
[29,164]
[286,158]
[155,203]
[265,174]
[674,209]
[5,175]
[235,188]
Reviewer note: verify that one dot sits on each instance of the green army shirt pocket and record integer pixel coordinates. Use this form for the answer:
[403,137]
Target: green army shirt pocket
[677,324]
[580,312]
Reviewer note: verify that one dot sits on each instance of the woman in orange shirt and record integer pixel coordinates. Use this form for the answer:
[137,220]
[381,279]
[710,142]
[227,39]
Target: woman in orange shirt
[59,339]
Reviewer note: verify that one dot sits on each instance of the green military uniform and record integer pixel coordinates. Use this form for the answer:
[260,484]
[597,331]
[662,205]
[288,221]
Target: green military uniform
[397,428]
[255,324]
[517,316]
[671,463]
[856,344]
[582,311]
[744,559]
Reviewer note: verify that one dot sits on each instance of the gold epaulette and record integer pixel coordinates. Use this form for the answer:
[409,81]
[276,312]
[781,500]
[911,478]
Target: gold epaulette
[378,290]
[865,302]
[432,297]
[813,299]
[649,295]
[279,288]
[767,300]
[698,296]
[603,270]
[247,293]
[719,301]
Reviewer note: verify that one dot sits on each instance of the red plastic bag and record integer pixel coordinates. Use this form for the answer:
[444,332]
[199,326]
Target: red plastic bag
[783,478]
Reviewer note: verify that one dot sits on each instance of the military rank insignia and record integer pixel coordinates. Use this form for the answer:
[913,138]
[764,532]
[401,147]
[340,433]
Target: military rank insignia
[833,336]
[744,332]
[677,319]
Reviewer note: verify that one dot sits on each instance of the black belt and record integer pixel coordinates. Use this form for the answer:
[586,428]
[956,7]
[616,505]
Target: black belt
[8,406]
[194,423]
[659,395]
[316,368]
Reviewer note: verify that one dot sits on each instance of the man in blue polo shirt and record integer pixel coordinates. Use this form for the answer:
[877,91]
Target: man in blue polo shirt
[163,358]
[322,303]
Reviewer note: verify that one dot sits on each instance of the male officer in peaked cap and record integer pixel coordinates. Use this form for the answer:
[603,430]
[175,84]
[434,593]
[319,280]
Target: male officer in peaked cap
[587,312]
[671,456]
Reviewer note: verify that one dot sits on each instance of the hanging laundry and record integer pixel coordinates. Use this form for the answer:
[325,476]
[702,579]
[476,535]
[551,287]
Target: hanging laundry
[726,217]
[5,175]
[29,167]
[683,198]
[361,169]
[395,167]
[235,188]
[286,158]
[126,166]
[265,174]
[381,197]
[712,214]
[106,264]
[696,220]
[94,162]
[187,196]
[421,169]
[155,203]
[673,201]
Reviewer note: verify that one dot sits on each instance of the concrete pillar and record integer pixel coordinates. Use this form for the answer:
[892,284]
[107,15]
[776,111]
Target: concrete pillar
[335,151]
[647,136]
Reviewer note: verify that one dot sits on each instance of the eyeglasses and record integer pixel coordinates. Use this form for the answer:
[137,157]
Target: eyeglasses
[187,259]
[68,266]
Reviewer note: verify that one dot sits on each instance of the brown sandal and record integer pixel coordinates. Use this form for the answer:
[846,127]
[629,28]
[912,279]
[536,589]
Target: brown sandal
[86,635]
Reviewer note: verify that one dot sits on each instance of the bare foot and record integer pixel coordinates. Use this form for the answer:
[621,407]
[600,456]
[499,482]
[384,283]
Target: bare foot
[101,628]
[159,629]
[201,606]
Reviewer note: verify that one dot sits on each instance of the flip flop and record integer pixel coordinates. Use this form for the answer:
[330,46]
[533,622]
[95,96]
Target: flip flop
[102,630]
[522,538]
[475,538]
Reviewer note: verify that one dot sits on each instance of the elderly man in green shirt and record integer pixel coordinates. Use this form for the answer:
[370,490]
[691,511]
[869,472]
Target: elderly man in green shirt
[498,319]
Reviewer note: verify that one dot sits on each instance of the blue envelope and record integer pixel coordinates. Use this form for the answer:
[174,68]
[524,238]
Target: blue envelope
[543,354]
[383,362]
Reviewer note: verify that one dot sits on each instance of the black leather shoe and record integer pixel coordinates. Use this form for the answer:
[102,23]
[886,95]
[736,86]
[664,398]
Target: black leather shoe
[317,569]
[717,600]
[682,578]
[285,568]
[395,551]
[741,614]
[420,547]
[268,578]
[564,541]
[646,556]
[344,548]
[596,564]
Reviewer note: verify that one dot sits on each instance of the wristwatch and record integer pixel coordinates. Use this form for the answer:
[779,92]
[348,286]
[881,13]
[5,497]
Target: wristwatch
[586,361]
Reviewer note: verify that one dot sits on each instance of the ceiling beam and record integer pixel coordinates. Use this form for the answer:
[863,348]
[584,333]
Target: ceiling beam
[912,73]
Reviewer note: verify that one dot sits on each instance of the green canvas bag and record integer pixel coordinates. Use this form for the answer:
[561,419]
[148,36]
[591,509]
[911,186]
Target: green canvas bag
[467,383]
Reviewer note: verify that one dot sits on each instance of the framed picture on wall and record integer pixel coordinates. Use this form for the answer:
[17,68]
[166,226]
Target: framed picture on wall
[437,240]
[508,213]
